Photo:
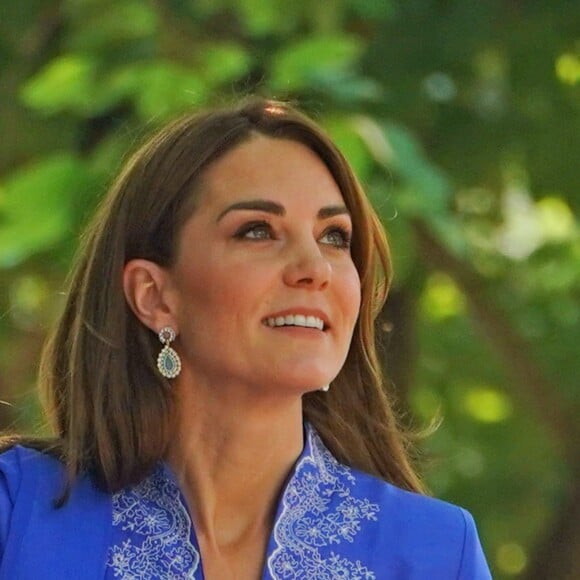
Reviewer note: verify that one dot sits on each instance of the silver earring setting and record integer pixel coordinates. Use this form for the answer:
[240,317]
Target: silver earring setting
[168,361]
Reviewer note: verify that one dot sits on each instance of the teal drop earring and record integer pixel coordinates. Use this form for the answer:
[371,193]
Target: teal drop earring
[168,361]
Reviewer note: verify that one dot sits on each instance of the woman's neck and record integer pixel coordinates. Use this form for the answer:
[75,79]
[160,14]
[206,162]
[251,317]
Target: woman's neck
[232,456]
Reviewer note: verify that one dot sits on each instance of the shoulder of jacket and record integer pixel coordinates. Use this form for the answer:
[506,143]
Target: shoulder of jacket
[421,532]
[79,528]
[411,509]
[19,463]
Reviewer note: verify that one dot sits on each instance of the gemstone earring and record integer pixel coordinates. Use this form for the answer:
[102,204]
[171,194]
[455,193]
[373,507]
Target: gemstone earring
[168,361]
[325,388]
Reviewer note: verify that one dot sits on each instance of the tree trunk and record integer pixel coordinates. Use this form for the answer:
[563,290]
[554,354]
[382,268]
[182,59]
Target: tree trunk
[557,555]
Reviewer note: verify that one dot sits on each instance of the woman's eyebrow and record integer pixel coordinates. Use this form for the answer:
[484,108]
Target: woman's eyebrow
[332,210]
[278,209]
[256,205]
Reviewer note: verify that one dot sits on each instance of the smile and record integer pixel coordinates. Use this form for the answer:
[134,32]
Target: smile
[295,320]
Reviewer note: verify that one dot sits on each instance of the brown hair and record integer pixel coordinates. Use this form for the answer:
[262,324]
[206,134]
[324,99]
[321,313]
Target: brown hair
[109,407]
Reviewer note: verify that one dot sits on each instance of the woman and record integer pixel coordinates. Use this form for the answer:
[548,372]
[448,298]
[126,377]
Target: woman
[213,382]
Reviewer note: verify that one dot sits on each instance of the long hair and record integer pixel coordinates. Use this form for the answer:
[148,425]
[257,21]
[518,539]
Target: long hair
[110,410]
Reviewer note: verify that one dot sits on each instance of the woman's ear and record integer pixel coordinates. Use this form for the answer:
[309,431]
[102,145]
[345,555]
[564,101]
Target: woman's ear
[146,285]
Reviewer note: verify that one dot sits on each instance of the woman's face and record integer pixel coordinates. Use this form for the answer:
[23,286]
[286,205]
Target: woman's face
[266,290]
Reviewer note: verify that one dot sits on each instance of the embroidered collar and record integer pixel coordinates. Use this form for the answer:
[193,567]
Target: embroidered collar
[157,531]
[317,514]
[318,518]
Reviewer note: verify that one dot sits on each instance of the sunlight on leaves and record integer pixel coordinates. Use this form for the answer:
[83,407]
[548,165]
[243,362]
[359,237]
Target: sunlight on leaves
[519,236]
[568,68]
[528,225]
[555,219]
[65,83]
[442,298]
[511,558]
[486,404]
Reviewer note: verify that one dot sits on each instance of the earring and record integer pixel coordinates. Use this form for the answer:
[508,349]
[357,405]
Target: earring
[324,388]
[168,361]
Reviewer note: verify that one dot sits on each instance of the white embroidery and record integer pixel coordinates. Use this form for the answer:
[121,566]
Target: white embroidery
[317,511]
[307,522]
[160,532]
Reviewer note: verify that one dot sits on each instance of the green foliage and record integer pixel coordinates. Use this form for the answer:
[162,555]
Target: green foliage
[224,62]
[67,83]
[49,184]
[159,89]
[293,67]
[96,27]
[265,18]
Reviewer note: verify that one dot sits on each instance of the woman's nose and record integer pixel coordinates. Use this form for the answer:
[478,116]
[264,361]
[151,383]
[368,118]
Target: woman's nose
[308,268]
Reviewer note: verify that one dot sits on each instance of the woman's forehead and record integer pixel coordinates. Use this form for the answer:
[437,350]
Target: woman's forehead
[271,168]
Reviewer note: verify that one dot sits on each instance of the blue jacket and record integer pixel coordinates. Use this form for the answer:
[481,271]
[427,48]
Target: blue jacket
[332,522]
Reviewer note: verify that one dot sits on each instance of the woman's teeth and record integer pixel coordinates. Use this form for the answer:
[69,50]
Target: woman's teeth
[296,320]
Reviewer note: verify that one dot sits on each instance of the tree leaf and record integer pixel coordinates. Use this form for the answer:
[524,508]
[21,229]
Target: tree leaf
[37,203]
[300,64]
[65,83]
[159,89]
[223,62]
[343,132]
[96,27]
[425,190]
[263,18]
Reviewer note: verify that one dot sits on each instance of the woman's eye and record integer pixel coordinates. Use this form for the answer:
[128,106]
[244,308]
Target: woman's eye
[255,231]
[337,237]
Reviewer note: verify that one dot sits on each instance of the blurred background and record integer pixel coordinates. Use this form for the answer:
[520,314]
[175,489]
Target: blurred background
[461,117]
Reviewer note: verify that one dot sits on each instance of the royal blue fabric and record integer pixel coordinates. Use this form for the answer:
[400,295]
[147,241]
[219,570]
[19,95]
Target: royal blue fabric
[331,522]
